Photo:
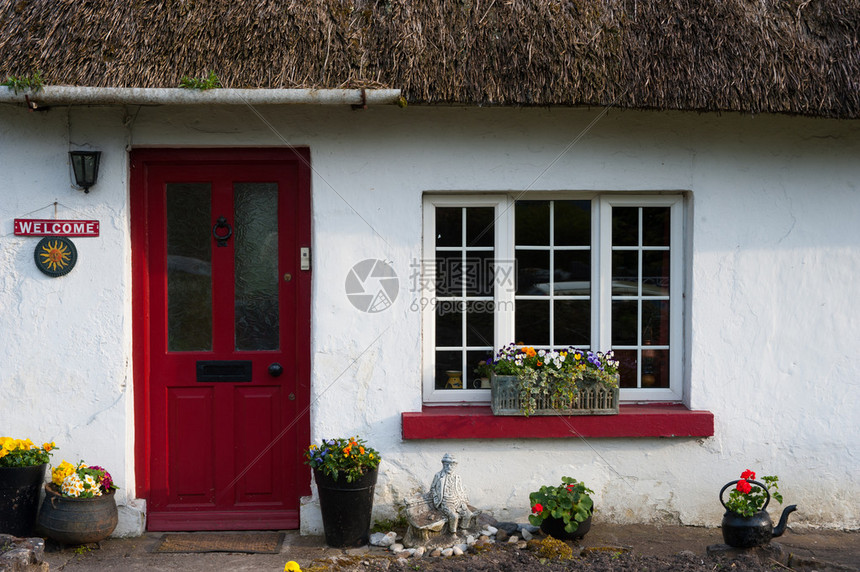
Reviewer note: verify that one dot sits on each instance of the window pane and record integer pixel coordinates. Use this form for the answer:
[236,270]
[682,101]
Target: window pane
[449,324]
[572,223]
[472,380]
[532,223]
[625,226]
[189,267]
[625,273]
[655,322]
[479,323]
[655,226]
[449,267]
[655,368]
[477,272]
[479,226]
[625,321]
[449,368]
[449,226]
[572,273]
[256,263]
[572,323]
[532,318]
[627,367]
[655,273]
[532,272]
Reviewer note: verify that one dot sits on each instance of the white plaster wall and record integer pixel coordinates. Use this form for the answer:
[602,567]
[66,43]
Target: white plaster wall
[773,302]
[65,358]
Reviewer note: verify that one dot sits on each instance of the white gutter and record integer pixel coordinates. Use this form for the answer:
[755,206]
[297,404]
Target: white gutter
[72,95]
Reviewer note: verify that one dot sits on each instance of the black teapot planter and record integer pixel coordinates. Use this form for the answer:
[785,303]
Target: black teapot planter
[756,530]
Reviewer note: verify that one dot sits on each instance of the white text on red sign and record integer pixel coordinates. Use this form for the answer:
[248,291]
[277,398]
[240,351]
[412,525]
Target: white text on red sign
[50,227]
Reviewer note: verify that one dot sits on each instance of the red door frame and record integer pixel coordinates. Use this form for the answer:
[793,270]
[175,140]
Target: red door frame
[141,315]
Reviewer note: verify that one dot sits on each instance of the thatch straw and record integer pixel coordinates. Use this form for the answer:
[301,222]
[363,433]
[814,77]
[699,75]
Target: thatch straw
[785,56]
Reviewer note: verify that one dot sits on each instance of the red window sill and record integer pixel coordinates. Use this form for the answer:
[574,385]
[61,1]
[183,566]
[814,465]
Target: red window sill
[473,422]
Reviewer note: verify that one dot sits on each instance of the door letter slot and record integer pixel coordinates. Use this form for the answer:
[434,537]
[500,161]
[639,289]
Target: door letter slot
[232,370]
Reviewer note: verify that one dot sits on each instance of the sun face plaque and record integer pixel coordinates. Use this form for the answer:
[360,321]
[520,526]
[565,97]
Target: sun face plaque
[55,256]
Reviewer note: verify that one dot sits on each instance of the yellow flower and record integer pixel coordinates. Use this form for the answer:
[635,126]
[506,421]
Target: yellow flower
[292,566]
[48,446]
[61,472]
[3,453]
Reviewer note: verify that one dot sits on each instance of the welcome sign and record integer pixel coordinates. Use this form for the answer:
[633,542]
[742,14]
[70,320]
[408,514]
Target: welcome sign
[52,227]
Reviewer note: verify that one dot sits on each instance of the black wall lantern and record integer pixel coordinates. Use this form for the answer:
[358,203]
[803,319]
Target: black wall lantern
[85,165]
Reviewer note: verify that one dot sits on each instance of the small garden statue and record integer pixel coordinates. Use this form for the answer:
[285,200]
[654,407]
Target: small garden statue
[437,515]
[449,497]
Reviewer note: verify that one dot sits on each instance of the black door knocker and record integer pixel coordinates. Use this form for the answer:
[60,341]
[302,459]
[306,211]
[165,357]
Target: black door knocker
[222,237]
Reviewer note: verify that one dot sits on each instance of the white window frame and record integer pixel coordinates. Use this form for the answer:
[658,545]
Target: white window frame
[502,322]
[675,202]
[601,291]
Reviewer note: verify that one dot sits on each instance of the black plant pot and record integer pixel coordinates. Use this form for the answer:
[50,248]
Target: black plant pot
[555,527]
[77,520]
[346,509]
[19,498]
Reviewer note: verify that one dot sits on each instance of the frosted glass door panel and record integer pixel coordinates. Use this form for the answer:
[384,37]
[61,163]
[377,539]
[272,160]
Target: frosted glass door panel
[189,267]
[256,263]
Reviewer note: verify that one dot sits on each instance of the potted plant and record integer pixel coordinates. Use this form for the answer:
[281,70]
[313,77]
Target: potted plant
[22,472]
[746,522]
[563,511]
[345,471]
[525,381]
[79,505]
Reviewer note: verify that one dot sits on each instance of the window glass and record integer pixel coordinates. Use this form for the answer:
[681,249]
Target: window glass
[532,223]
[256,264]
[553,273]
[554,295]
[465,265]
[189,267]
[641,259]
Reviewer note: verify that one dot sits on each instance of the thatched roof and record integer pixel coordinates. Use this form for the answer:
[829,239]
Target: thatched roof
[784,56]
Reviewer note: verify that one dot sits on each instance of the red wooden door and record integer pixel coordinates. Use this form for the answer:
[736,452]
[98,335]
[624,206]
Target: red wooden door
[222,323]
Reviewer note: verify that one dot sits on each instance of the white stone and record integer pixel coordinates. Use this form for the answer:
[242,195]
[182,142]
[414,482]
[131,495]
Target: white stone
[526,534]
[462,546]
[397,548]
[419,552]
[491,530]
[447,551]
[470,540]
[457,551]
[383,539]
[513,539]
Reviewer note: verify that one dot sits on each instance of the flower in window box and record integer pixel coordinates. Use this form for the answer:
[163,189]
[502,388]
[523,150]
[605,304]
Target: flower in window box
[553,377]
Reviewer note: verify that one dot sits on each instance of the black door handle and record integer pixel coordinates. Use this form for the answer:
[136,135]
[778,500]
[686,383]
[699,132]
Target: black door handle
[276,369]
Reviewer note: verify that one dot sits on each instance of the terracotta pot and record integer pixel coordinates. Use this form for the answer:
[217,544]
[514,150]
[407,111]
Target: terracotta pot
[70,520]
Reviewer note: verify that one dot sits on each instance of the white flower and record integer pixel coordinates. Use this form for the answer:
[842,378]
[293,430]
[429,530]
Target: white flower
[72,486]
[93,487]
